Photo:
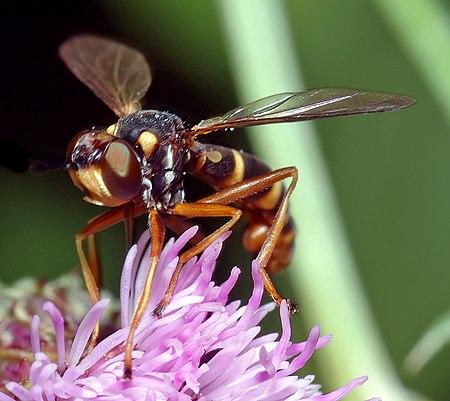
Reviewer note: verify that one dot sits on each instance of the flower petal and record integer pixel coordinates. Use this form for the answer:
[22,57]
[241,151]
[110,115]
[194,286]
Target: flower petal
[85,330]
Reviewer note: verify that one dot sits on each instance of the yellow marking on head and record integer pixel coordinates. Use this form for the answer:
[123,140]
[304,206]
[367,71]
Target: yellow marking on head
[94,186]
[147,141]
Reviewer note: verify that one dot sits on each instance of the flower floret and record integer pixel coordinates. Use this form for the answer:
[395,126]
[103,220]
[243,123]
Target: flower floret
[203,348]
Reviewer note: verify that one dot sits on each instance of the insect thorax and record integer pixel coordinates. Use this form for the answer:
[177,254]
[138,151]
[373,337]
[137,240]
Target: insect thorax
[159,139]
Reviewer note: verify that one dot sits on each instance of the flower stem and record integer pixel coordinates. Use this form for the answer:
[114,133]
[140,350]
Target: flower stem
[324,274]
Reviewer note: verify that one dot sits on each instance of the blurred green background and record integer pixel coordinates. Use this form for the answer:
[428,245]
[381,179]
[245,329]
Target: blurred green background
[389,172]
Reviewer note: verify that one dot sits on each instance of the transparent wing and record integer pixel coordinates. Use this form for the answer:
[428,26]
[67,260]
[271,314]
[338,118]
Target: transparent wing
[117,74]
[309,105]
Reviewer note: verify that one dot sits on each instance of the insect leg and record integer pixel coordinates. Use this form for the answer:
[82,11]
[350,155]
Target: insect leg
[128,217]
[90,265]
[249,187]
[91,273]
[179,225]
[190,210]
[93,259]
[157,231]
[92,255]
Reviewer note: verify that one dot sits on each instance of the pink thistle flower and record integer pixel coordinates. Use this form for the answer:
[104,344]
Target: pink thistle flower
[203,348]
[22,300]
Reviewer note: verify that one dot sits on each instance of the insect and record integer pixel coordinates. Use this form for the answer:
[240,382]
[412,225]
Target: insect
[137,166]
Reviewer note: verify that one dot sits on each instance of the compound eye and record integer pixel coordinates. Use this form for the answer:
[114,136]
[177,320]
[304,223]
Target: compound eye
[121,171]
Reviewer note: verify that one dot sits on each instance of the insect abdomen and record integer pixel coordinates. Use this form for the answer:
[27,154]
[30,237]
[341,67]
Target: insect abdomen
[221,167]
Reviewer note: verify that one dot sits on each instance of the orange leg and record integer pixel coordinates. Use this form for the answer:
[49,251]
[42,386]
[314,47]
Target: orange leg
[128,217]
[157,232]
[92,272]
[249,187]
[93,259]
[215,205]
[228,195]
[190,210]
[179,225]
[90,265]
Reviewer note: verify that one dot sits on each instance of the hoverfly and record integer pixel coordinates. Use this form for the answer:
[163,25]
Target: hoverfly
[138,165]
